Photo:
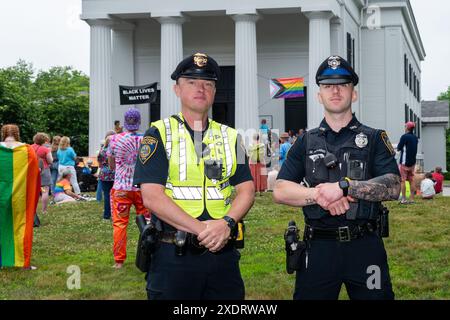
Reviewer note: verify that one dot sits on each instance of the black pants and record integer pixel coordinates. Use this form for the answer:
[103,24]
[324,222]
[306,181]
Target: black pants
[361,265]
[209,276]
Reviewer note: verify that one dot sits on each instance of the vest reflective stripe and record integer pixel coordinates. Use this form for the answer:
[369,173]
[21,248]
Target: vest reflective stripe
[168,138]
[187,184]
[182,153]
[228,158]
[194,193]
[214,194]
[187,193]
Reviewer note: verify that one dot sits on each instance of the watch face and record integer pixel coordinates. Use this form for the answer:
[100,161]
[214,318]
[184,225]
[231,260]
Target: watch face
[343,184]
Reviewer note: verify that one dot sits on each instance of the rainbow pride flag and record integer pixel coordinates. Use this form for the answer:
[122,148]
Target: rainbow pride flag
[287,88]
[19,195]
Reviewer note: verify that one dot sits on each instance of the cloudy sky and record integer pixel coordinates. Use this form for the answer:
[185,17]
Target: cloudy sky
[48,33]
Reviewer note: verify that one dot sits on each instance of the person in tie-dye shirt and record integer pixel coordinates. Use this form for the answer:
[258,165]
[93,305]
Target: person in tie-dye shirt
[122,154]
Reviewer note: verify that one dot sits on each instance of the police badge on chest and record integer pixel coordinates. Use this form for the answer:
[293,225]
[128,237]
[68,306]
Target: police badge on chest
[361,140]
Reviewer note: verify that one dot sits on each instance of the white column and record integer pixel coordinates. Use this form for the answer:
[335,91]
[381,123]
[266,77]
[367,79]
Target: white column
[246,88]
[319,50]
[171,55]
[122,70]
[337,37]
[100,83]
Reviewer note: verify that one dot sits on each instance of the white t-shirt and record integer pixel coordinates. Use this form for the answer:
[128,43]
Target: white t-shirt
[427,188]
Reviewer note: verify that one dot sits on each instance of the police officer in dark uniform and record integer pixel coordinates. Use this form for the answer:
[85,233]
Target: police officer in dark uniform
[339,173]
[186,169]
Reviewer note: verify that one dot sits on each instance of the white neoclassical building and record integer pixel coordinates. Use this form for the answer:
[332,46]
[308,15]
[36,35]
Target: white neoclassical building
[137,42]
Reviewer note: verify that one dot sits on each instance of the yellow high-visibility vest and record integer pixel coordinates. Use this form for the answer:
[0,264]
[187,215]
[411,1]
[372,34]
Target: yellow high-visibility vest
[187,183]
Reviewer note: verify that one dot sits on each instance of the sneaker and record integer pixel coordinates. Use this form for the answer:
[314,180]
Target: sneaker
[118,265]
[403,201]
[30,268]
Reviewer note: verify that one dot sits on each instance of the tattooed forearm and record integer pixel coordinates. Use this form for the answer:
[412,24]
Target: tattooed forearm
[293,194]
[382,188]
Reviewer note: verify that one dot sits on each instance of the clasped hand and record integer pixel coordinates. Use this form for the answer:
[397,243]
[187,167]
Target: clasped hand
[215,235]
[331,197]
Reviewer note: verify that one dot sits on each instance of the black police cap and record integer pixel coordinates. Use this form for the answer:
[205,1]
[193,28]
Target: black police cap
[197,66]
[336,70]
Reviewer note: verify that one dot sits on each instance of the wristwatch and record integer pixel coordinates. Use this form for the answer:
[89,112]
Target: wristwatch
[344,184]
[230,221]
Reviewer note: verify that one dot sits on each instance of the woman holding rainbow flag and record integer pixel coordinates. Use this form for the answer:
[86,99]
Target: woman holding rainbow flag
[19,195]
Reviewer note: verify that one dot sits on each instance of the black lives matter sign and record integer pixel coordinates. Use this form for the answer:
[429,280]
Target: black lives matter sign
[138,95]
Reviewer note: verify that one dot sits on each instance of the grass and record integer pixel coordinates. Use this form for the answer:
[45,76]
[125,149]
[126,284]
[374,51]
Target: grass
[74,234]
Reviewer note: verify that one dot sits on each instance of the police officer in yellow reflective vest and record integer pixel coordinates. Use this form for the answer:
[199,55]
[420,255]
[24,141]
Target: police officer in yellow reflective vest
[187,168]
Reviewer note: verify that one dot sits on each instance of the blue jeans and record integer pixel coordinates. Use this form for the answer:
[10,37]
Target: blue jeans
[106,187]
[99,190]
[54,173]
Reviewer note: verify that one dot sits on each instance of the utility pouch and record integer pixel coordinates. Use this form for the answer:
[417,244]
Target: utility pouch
[240,231]
[148,242]
[294,248]
[180,243]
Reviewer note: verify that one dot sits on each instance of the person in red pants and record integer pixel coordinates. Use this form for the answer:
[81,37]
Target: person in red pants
[122,155]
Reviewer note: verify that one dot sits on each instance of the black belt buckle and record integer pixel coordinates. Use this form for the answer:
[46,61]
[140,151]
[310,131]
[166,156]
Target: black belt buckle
[344,234]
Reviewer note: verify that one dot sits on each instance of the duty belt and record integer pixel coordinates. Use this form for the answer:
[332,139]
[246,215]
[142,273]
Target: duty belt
[192,242]
[341,234]
[168,237]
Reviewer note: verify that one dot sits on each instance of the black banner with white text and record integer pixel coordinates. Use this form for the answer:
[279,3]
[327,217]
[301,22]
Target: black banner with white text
[138,94]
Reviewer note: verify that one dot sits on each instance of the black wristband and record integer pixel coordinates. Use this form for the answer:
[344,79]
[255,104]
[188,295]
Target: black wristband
[230,222]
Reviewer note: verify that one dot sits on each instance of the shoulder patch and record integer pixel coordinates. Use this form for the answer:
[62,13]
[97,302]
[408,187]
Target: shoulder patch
[387,142]
[147,149]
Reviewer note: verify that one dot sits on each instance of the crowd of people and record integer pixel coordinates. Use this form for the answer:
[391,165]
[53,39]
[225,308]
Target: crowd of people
[57,162]
[427,184]
[58,166]
[432,184]
[266,154]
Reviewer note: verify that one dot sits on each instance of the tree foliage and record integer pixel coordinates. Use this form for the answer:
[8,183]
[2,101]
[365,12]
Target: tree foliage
[55,101]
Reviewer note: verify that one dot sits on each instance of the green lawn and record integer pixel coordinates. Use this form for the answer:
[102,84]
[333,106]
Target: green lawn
[418,251]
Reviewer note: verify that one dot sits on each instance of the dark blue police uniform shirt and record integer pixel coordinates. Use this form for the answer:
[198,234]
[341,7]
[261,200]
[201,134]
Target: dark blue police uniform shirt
[156,169]
[293,168]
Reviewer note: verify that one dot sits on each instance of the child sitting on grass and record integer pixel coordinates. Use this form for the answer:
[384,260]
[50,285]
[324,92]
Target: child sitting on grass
[63,189]
[427,187]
